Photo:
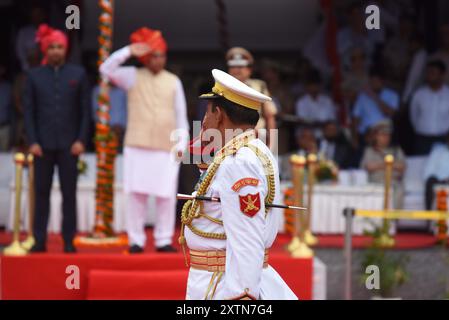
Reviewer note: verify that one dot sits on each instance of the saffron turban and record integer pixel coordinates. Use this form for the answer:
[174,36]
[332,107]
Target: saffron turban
[46,35]
[153,38]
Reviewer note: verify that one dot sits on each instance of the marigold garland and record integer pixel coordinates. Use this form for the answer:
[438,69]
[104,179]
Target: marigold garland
[105,141]
[441,204]
[289,214]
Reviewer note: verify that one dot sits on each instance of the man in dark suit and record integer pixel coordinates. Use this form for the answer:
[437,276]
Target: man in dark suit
[335,146]
[56,103]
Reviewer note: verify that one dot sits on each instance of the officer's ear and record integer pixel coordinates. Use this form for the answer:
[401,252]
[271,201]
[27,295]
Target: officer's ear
[219,114]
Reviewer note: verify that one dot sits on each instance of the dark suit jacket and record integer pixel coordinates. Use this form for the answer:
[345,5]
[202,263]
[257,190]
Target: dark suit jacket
[56,106]
[343,154]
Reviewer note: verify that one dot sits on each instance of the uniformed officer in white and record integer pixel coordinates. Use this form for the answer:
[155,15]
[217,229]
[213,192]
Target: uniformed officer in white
[229,241]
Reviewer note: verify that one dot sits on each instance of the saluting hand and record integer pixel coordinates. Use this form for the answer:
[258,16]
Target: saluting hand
[140,49]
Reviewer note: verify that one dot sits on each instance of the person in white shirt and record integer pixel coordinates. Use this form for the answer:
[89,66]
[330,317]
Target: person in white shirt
[315,108]
[436,170]
[156,110]
[443,52]
[429,109]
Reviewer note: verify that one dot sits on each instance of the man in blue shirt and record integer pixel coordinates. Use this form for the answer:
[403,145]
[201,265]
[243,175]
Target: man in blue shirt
[374,104]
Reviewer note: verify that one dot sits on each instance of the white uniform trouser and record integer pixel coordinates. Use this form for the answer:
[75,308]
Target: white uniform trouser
[164,228]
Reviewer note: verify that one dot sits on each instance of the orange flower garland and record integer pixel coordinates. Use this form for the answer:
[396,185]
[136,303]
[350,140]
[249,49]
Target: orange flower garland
[106,143]
[441,204]
[289,214]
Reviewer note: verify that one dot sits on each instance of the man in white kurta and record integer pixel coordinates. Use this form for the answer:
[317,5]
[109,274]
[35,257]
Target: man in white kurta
[156,119]
[229,241]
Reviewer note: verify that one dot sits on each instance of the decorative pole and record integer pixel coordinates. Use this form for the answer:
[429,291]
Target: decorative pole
[385,239]
[105,140]
[298,247]
[106,144]
[222,25]
[29,242]
[309,238]
[15,249]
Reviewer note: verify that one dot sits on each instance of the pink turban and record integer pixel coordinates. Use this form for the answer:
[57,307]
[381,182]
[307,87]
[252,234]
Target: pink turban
[46,35]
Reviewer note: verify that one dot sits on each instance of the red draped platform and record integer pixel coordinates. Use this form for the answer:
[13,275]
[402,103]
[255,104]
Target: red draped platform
[110,274]
[119,276]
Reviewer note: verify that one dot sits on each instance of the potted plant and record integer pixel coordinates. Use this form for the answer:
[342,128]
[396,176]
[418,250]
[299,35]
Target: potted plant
[392,269]
[326,171]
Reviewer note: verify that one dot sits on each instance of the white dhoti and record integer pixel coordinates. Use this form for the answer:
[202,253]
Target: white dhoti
[150,172]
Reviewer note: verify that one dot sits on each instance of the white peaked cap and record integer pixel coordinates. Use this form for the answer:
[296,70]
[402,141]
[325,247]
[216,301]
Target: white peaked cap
[228,87]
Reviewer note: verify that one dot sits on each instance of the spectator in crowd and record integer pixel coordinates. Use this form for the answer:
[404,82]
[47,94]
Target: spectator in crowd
[355,78]
[355,75]
[300,69]
[373,160]
[306,141]
[443,52]
[271,74]
[374,104]
[355,34]
[436,170]
[26,37]
[315,108]
[5,110]
[57,117]
[349,94]
[19,136]
[397,53]
[118,111]
[240,65]
[416,69]
[429,109]
[335,146]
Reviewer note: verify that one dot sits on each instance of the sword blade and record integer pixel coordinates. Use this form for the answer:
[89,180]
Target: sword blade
[181,196]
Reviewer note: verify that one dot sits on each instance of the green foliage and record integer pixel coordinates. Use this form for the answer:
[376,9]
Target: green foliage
[82,166]
[392,269]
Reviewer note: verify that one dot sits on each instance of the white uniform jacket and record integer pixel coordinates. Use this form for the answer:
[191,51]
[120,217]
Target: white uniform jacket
[241,182]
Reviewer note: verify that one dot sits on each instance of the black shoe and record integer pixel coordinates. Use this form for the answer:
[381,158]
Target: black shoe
[38,248]
[167,248]
[135,249]
[69,248]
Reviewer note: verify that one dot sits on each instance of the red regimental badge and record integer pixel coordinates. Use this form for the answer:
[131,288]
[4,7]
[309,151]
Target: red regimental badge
[250,204]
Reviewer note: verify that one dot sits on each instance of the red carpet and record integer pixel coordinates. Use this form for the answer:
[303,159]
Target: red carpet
[107,273]
[119,276]
[169,285]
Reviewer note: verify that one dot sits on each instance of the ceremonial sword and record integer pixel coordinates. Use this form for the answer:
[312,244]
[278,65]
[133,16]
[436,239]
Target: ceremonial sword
[215,199]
